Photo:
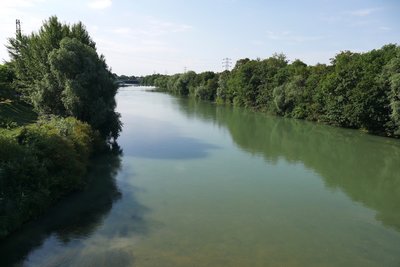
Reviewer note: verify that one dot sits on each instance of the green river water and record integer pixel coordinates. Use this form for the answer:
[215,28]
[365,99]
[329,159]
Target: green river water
[199,184]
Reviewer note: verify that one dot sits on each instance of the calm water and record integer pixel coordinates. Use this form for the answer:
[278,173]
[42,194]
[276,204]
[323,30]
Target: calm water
[205,185]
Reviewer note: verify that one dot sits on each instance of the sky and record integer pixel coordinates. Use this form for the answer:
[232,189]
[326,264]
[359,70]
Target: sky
[141,37]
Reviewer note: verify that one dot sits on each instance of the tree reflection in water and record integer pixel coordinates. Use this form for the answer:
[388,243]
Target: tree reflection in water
[76,217]
[363,166]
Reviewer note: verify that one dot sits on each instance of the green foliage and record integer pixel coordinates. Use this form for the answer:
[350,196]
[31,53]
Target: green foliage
[150,80]
[54,154]
[202,86]
[222,88]
[356,93]
[206,86]
[15,113]
[59,71]
[358,90]
[392,75]
[7,76]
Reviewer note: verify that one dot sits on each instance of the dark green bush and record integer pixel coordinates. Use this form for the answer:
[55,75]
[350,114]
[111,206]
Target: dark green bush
[39,164]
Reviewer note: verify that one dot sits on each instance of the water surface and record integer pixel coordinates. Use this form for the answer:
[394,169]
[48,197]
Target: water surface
[205,185]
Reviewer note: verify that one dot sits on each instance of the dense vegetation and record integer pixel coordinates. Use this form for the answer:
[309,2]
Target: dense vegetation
[6,79]
[39,163]
[13,111]
[56,75]
[59,72]
[357,90]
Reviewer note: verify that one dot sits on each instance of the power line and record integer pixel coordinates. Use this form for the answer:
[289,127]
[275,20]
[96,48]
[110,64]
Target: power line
[226,63]
[18,27]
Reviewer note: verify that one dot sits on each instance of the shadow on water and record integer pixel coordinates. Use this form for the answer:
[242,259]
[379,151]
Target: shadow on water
[365,167]
[171,148]
[155,139]
[76,217]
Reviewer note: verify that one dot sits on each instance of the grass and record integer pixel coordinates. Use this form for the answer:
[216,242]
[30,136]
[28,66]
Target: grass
[16,113]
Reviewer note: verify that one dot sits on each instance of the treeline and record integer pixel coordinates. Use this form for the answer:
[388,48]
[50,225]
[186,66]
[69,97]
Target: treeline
[58,72]
[124,80]
[357,90]
[203,85]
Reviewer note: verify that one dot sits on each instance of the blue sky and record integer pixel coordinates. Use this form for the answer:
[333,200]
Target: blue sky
[141,37]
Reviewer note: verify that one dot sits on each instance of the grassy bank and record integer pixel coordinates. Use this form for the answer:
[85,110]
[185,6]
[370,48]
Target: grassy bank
[15,113]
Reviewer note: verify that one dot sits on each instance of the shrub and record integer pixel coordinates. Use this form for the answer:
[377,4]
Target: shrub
[39,164]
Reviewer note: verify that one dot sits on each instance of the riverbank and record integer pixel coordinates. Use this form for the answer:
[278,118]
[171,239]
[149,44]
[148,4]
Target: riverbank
[41,160]
[47,145]
[357,90]
[40,163]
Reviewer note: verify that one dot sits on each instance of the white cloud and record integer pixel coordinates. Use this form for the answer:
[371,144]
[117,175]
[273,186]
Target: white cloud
[122,30]
[384,28]
[142,46]
[257,42]
[18,3]
[100,4]
[152,28]
[349,16]
[158,27]
[363,12]
[331,18]
[290,37]
[146,42]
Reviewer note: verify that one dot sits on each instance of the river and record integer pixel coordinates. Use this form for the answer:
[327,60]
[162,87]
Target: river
[199,184]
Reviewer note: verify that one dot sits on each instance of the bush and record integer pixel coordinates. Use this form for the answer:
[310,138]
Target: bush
[39,164]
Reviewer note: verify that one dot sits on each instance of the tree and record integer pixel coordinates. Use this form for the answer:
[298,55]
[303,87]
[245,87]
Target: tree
[340,89]
[393,72]
[222,90]
[6,79]
[184,83]
[59,71]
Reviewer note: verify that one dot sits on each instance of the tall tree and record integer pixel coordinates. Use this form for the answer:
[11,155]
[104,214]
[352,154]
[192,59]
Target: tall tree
[59,71]
[393,70]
